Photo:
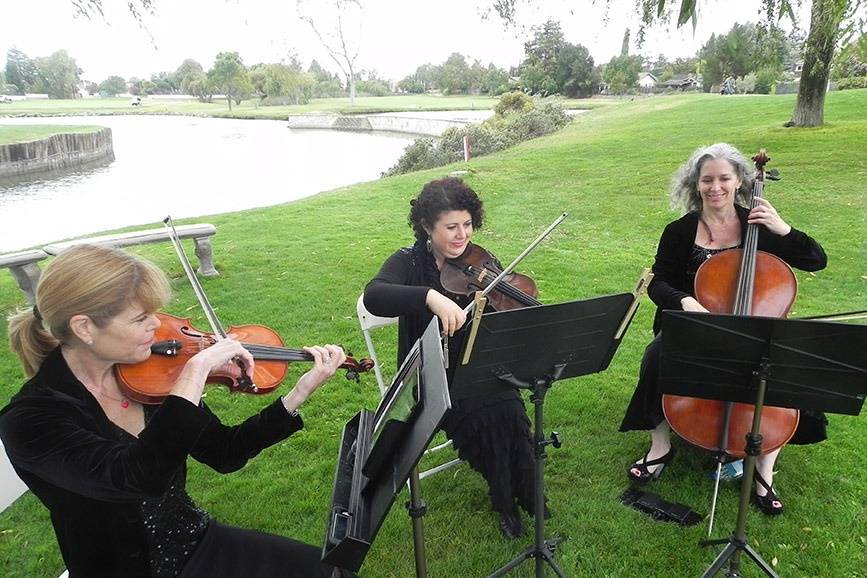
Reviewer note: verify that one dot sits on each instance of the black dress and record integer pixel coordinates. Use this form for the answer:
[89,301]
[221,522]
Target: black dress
[677,260]
[118,502]
[492,432]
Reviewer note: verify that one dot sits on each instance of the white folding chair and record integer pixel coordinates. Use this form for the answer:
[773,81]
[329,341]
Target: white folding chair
[369,321]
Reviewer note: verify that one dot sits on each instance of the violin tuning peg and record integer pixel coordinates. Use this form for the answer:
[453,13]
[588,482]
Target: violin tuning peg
[352,375]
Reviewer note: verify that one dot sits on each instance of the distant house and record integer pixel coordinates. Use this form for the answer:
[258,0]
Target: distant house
[682,82]
[647,81]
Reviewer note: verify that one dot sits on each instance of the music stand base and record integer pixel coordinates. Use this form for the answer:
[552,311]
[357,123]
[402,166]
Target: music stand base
[733,546]
[545,554]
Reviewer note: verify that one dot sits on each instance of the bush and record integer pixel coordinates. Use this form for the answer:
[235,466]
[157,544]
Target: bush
[534,118]
[765,80]
[852,82]
[511,102]
[371,88]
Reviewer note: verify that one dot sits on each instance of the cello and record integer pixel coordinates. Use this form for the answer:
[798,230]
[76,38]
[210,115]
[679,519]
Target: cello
[743,282]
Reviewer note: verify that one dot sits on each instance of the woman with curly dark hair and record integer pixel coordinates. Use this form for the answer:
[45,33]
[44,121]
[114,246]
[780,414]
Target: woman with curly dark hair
[491,433]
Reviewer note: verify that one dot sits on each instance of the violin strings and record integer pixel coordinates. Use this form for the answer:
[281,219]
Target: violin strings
[515,292]
[506,288]
[275,353]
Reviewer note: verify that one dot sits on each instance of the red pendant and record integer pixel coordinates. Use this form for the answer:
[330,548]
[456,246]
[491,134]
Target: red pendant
[124,404]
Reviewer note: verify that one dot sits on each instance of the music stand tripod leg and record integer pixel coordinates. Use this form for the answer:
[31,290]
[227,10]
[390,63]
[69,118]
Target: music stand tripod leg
[417,509]
[738,540]
[542,550]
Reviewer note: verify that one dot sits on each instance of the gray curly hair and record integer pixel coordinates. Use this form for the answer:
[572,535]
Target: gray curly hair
[683,192]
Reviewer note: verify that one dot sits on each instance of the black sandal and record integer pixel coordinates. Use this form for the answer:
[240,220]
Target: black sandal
[769,504]
[638,472]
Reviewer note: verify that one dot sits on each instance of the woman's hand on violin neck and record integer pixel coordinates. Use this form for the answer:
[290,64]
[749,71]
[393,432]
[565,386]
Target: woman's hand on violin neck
[451,316]
[326,360]
[765,214]
[217,358]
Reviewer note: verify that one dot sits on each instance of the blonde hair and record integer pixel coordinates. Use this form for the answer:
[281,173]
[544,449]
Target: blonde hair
[99,282]
[683,192]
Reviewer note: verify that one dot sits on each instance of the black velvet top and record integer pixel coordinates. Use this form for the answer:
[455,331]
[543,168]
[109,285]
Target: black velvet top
[115,500]
[673,275]
[400,290]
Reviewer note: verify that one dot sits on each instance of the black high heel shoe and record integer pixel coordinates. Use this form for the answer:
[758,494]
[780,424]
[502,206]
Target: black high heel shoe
[638,472]
[769,504]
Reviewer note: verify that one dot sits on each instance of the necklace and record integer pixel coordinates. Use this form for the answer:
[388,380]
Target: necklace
[124,402]
[707,228]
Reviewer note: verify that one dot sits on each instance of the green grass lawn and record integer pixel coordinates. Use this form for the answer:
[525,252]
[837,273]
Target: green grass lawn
[24,133]
[252,108]
[299,268]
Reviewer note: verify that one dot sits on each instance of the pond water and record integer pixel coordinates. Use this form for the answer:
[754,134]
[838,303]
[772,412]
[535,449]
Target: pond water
[186,167]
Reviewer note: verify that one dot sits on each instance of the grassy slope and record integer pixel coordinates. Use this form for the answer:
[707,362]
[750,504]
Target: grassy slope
[25,133]
[299,268]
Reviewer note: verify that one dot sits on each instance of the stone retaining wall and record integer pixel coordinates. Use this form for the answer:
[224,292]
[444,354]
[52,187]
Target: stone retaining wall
[59,151]
[378,122]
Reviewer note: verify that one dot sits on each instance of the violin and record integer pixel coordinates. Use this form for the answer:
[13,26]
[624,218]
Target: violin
[176,341]
[743,282]
[476,268]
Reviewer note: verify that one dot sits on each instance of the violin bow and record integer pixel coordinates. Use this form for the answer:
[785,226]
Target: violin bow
[244,381]
[469,308]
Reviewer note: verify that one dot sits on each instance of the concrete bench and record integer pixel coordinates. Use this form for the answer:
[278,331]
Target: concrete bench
[23,267]
[200,233]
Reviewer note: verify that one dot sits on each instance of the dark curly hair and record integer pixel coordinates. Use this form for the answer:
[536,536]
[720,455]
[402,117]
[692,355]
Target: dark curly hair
[440,196]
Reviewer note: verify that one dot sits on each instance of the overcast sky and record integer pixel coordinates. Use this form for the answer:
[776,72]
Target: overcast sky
[397,35]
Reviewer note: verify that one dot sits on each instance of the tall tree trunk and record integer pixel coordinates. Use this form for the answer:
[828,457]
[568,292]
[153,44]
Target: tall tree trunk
[350,80]
[818,51]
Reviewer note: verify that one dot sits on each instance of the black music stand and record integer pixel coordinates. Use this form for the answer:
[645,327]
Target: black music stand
[531,348]
[802,364]
[380,451]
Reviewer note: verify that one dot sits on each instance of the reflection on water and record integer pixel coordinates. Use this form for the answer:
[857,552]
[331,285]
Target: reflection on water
[186,167]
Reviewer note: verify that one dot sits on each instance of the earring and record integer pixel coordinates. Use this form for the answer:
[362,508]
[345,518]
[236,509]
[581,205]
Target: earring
[428,245]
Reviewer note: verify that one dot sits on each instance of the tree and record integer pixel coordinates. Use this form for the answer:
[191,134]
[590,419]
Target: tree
[542,50]
[281,81]
[575,77]
[112,86]
[59,75]
[454,75]
[552,65]
[338,39]
[164,83]
[87,8]
[495,80]
[827,21]
[624,47]
[20,70]
[733,54]
[852,60]
[187,72]
[621,73]
[826,17]
[229,76]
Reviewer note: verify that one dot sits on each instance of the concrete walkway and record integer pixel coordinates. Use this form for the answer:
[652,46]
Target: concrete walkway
[11,486]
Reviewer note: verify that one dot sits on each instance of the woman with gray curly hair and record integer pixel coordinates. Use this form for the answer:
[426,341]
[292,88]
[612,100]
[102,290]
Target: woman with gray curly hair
[714,189]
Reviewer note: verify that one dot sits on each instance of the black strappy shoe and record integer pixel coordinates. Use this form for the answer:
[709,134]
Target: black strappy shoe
[638,472]
[769,504]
